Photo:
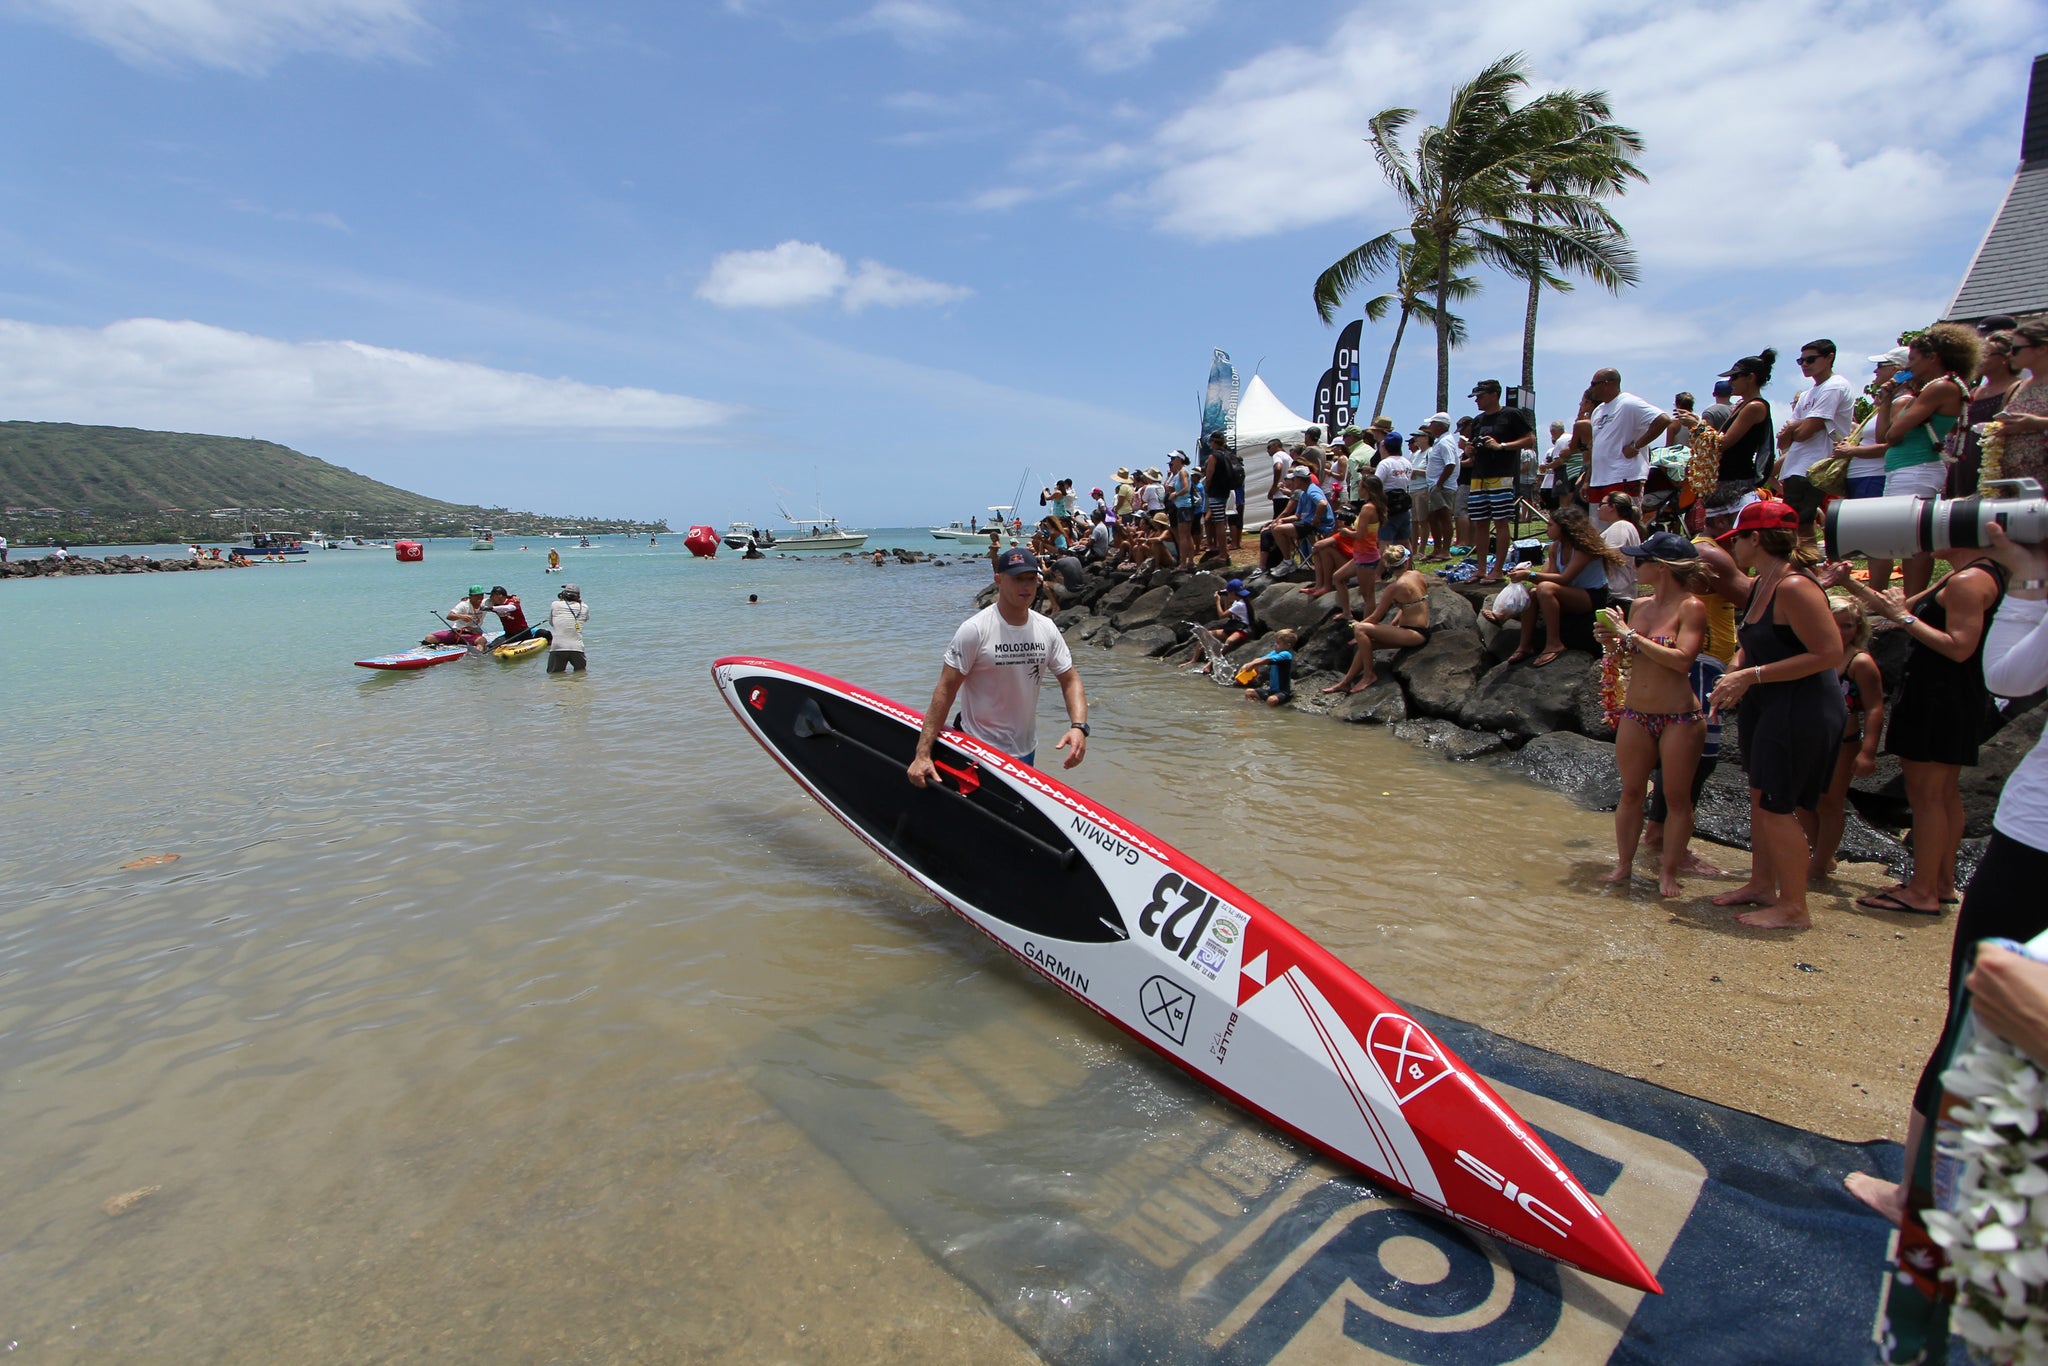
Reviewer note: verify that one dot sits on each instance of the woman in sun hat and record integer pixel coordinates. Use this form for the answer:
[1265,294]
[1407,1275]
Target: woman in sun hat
[1663,722]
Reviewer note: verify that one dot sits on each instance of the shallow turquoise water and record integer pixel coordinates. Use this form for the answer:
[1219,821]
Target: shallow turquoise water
[453,972]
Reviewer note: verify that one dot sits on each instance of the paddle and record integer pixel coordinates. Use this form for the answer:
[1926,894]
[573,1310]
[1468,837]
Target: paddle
[811,723]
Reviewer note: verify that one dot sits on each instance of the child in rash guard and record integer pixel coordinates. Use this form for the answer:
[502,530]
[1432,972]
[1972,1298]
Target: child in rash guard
[1277,686]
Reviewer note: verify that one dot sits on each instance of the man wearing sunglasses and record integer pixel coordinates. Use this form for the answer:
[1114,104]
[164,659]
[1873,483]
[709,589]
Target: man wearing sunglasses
[1822,414]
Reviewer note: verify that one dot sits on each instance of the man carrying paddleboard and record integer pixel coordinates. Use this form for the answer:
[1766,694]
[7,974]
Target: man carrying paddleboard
[994,666]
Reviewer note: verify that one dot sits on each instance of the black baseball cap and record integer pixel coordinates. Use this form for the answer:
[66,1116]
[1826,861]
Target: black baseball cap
[1485,386]
[1666,546]
[1016,560]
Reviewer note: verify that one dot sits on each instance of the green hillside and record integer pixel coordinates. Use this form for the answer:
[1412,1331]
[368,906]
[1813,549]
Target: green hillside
[59,480]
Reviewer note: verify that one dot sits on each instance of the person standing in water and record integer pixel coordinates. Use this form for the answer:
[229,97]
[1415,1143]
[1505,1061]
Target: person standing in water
[994,666]
[566,615]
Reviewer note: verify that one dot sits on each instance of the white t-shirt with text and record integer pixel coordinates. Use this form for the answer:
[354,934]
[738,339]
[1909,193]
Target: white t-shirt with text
[1005,665]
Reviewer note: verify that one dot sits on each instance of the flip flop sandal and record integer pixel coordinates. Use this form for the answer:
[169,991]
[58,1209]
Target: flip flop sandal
[1885,901]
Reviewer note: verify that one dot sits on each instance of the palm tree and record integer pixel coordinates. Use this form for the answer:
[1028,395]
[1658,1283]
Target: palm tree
[1414,274]
[1576,150]
[1475,183]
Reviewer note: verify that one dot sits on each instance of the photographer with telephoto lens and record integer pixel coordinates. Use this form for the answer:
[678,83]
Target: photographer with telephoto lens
[2004,897]
[1941,361]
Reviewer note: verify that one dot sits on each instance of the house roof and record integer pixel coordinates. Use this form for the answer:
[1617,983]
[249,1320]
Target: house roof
[2009,273]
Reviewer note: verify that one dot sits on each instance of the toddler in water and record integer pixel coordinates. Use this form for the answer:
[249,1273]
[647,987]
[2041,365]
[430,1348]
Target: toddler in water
[1277,687]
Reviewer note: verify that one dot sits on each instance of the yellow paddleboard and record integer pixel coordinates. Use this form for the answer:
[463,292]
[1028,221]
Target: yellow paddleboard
[521,650]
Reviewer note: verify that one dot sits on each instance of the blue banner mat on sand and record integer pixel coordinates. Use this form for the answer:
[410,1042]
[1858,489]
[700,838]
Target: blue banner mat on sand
[1195,1233]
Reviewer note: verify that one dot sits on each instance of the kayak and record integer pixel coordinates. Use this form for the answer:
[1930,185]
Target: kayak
[520,649]
[419,657]
[1179,959]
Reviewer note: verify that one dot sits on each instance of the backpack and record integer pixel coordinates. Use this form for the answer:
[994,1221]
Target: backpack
[1229,472]
[1398,502]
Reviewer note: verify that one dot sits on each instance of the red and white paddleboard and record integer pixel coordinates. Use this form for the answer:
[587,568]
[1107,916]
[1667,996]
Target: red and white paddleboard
[419,657]
[1180,959]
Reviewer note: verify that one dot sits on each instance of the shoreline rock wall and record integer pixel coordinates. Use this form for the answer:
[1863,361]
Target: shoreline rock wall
[76,565]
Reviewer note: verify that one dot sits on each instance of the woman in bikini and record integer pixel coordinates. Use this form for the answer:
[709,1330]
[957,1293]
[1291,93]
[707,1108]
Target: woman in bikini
[1863,699]
[1400,621]
[1576,582]
[1353,554]
[1789,711]
[1663,721]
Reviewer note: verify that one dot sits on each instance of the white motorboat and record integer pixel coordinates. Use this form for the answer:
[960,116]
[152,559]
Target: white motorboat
[482,538]
[740,535]
[960,531]
[823,534]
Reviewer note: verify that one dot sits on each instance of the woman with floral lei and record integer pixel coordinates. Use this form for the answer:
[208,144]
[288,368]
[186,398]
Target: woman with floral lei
[1661,720]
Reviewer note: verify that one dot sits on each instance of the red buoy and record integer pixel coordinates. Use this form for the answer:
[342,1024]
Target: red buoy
[702,542]
[409,552]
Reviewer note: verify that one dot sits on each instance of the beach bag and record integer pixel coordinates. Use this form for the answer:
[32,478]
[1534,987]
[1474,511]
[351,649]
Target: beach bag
[1830,475]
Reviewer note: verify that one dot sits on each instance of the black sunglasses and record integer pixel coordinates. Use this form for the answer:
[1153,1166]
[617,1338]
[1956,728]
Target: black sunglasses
[1808,360]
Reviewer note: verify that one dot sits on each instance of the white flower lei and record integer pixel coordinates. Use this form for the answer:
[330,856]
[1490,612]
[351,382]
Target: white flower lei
[1994,1224]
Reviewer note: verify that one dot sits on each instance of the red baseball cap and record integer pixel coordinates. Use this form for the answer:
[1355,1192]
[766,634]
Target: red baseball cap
[1766,514]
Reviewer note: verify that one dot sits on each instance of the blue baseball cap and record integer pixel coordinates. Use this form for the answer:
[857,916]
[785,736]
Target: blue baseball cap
[1016,560]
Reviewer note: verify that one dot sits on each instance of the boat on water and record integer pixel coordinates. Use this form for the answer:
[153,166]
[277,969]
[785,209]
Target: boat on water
[482,538]
[740,535]
[353,543]
[264,545]
[977,533]
[824,534]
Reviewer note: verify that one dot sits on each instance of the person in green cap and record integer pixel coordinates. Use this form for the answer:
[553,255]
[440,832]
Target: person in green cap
[465,621]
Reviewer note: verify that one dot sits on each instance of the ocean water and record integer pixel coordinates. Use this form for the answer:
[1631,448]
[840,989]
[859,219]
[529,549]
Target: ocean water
[453,1028]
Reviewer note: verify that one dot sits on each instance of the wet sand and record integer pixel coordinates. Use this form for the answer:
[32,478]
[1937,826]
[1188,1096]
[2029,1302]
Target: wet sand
[1681,995]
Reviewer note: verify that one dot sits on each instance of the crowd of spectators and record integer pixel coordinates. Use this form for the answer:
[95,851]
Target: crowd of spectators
[1712,581]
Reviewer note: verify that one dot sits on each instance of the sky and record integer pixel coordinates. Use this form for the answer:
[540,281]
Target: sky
[697,259]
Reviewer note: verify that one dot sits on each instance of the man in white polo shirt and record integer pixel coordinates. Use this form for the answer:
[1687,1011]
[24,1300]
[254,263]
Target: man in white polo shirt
[1620,429]
[1822,414]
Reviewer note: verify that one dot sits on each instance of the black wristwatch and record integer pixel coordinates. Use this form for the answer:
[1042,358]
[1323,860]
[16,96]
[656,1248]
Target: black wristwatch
[1081,726]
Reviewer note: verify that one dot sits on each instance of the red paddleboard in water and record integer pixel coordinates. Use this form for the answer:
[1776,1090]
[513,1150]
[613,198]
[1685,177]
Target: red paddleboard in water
[419,657]
[1184,962]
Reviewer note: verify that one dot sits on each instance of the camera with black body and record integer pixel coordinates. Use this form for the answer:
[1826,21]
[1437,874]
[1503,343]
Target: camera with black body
[1902,527]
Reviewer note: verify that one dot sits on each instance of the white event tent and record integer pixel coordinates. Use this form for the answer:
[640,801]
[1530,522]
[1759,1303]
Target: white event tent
[1261,416]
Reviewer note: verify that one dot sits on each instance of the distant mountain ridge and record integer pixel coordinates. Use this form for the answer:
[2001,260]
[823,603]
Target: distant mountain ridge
[60,481]
[126,472]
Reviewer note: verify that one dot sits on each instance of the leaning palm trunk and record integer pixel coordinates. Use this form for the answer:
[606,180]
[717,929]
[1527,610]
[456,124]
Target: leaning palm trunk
[1529,334]
[1443,331]
[1379,405]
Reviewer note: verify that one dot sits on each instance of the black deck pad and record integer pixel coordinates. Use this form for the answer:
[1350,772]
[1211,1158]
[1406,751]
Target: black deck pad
[1180,1229]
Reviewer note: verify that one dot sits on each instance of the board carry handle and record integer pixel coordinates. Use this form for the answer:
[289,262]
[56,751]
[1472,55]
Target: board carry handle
[810,723]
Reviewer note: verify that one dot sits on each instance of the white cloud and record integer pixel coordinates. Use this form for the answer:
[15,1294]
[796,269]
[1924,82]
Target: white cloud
[1115,36]
[915,23]
[240,35]
[793,274]
[786,275]
[150,372]
[1755,158]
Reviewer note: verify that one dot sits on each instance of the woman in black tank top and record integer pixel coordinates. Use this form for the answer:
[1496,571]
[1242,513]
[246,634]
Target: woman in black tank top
[1745,443]
[1789,707]
[1938,717]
